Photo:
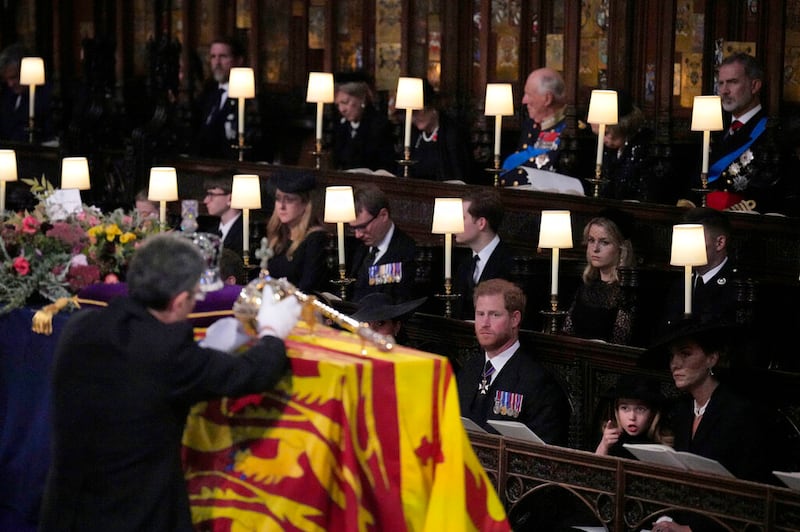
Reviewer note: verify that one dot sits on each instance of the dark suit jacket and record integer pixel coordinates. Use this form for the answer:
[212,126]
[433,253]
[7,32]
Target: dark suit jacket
[442,159]
[234,239]
[372,146]
[210,137]
[715,300]
[545,406]
[498,266]
[731,431]
[123,383]
[308,269]
[403,249]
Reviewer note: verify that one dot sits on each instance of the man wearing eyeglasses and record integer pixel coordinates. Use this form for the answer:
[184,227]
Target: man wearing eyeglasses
[218,203]
[385,259]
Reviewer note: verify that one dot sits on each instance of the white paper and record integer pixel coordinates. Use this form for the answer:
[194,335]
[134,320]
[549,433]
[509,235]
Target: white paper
[471,425]
[63,202]
[664,455]
[545,181]
[790,478]
[515,429]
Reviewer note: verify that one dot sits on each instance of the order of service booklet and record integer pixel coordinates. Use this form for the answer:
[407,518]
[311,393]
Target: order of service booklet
[656,453]
[515,429]
[790,478]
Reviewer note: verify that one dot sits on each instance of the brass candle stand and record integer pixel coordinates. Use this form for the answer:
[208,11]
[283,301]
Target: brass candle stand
[318,153]
[448,297]
[343,282]
[240,147]
[703,190]
[496,170]
[597,180]
[406,161]
[553,316]
[31,129]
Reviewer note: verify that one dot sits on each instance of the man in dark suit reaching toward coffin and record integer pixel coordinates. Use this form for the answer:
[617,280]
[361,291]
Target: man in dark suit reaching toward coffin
[507,383]
[490,257]
[385,260]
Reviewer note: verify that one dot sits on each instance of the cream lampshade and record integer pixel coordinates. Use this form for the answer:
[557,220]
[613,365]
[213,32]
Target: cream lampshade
[163,188]
[555,232]
[75,173]
[246,195]
[706,117]
[320,91]
[602,111]
[448,218]
[339,208]
[31,71]
[8,172]
[499,102]
[688,249]
[409,97]
[241,85]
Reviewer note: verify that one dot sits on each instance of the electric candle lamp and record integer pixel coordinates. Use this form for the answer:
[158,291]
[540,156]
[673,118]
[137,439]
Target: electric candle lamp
[8,172]
[339,208]
[448,218]
[688,249]
[246,195]
[409,97]
[555,232]
[706,117]
[499,102]
[603,112]
[320,91]
[31,73]
[241,85]
[163,187]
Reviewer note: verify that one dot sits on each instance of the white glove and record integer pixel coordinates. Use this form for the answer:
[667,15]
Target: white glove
[225,334]
[277,318]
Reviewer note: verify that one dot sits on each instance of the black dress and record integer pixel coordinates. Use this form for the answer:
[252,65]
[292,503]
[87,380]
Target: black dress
[599,312]
[308,267]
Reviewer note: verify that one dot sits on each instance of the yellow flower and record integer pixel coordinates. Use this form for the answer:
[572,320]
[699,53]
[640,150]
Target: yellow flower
[112,231]
[127,237]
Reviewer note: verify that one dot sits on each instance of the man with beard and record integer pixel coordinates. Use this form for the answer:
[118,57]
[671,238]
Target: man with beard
[506,382]
[216,118]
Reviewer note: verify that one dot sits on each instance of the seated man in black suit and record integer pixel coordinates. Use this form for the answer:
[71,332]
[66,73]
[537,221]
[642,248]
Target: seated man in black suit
[385,260]
[218,203]
[507,383]
[491,257]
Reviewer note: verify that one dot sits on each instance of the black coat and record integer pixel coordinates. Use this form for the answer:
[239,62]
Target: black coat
[545,406]
[498,266]
[443,158]
[713,301]
[308,269]
[211,139]
[731,431]
[402,249]
[371,146]
[123,383]
[234,240]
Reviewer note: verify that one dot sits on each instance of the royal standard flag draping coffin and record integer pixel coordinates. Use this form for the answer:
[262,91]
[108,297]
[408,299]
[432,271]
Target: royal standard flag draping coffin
[347,441]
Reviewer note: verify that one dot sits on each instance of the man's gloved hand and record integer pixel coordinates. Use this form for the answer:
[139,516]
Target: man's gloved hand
[225,334]
[277,318]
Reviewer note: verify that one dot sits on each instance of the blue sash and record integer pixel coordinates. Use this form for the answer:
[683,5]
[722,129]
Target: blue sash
[723,162]
[522,156]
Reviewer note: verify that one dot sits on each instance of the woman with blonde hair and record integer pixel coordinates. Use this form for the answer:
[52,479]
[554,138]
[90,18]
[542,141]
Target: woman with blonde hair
[296,235]
[600,309]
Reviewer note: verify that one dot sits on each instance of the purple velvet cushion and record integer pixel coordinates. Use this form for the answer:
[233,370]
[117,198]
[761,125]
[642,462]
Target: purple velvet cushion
[217,304]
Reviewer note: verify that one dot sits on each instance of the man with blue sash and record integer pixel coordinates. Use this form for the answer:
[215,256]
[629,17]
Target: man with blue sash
[746,160]
[541,138]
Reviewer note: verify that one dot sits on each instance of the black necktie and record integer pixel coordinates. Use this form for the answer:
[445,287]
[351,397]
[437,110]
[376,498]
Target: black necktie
[475,260]
[215,109]
[698,282]
[373,252]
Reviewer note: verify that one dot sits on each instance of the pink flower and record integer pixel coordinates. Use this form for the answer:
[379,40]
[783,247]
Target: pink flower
[22,266]
[30,225]
[111,278]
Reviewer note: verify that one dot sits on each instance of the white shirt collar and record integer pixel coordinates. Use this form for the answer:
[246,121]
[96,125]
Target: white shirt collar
[383,245]
[224,228]
[748,115]
[485,253]
[499,360]
[713,271]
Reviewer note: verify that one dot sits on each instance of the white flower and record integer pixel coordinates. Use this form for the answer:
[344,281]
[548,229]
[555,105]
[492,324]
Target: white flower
[78,260]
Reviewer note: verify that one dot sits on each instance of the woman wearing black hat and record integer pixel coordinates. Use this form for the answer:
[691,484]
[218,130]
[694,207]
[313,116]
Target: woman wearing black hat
[600,309]
[636,418]
[712,420]
[296,236]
